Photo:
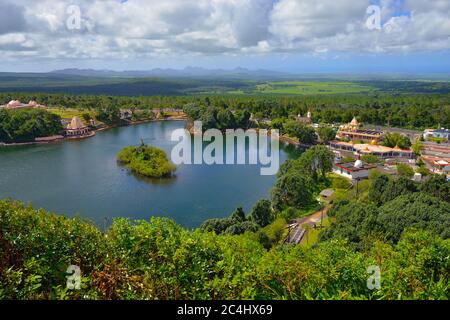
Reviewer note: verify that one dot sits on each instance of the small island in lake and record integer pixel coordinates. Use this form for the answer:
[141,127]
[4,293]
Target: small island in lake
[147,161]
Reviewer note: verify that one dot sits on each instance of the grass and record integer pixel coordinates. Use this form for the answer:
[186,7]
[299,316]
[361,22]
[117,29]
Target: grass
[312,88]
[343,190]
[339,182]
[68,113]
[312,234]
[276,231]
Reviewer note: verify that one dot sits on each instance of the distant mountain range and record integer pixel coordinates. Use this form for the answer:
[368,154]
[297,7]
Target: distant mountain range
[188,72]
[243,74]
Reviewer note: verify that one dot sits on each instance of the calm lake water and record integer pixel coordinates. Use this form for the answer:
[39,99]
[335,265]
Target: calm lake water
[83,178]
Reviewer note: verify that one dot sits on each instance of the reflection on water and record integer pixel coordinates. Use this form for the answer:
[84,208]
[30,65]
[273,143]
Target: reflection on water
[158,181]
[83,177]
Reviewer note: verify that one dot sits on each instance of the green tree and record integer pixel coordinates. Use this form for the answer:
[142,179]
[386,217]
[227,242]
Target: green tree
[147,161]
[326,134]
[292,190]
[317,160]
[218,226]
[369,158]
[238,215]
[355,221]
[277,123]
[416,210]
[225,119]
[417,147]
[396,140]
[397,187]
[377,188]
[424,171]
[304,134]
[437,186]
[25,125]
[86,117]
[405,170]
[209,118]
[109,114]
[242,227]
[261,213]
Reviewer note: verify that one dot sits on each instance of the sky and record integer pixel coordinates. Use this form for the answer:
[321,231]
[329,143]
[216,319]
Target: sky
[298,36]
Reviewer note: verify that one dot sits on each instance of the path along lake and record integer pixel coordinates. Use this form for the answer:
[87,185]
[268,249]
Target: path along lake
[83,178]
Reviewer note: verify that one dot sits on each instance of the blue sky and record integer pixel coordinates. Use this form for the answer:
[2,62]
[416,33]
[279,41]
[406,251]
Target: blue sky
[299,36]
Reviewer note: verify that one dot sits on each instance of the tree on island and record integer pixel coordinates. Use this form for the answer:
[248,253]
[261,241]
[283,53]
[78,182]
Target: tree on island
[147,161]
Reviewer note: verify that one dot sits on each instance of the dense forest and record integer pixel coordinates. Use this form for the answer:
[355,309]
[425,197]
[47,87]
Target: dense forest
[273,84]
[26,124]
[408,111]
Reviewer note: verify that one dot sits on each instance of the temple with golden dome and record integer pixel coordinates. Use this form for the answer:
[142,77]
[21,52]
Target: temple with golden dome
[352,131]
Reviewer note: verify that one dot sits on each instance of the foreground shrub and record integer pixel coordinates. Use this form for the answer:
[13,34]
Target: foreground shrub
[160,260]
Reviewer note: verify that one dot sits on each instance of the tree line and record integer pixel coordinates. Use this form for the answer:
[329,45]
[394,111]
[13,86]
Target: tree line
[408,110]
[25,125]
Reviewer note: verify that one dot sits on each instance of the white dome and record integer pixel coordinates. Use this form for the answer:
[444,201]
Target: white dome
[14,103]
[358,164]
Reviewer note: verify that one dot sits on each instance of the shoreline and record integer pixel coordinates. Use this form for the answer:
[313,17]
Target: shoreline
[281,138]
[59,138]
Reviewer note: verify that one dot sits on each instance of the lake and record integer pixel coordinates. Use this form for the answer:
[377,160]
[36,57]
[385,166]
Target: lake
[83,178]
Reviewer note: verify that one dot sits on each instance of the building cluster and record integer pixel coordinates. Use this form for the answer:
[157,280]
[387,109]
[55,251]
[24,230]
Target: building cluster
[16,104]
[352,141]
[436,157]
[372,148]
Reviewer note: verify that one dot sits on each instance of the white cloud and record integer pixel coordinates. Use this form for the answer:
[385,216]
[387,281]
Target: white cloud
[152,28]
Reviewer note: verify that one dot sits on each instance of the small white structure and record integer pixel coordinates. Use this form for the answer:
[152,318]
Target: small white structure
[417,177]
[353,170]
[437,133]
[327,193]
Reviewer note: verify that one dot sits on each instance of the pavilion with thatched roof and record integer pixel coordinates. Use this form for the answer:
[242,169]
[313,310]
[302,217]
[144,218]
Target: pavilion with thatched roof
[76,128]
